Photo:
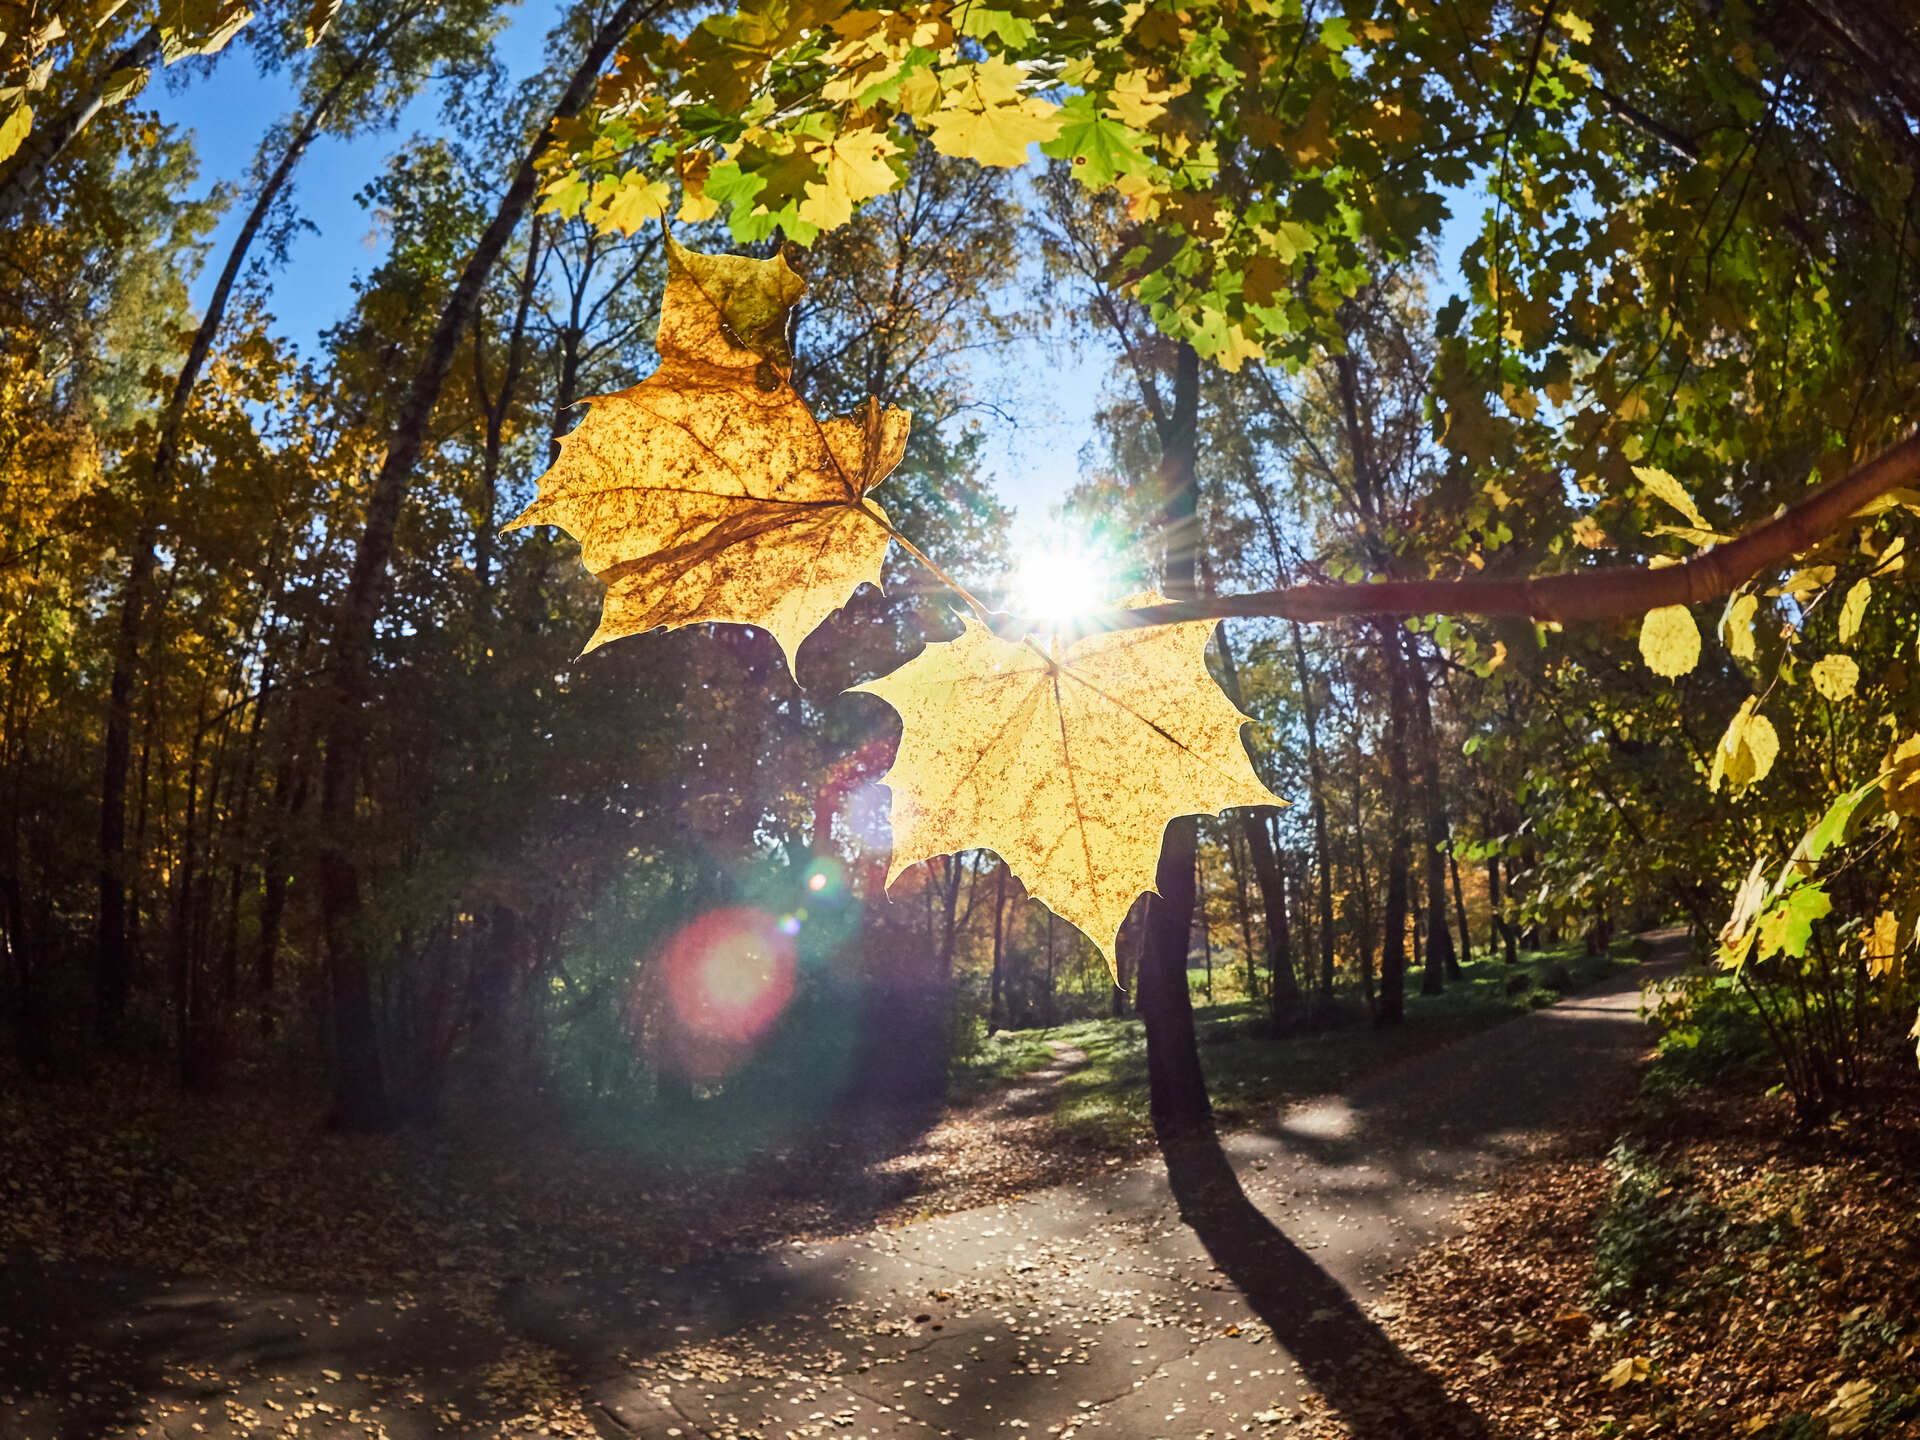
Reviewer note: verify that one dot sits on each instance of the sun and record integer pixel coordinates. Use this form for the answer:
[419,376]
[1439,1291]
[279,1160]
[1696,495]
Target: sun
[1060,578]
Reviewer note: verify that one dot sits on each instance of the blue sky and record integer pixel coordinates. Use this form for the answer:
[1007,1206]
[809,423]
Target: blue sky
[1032,456]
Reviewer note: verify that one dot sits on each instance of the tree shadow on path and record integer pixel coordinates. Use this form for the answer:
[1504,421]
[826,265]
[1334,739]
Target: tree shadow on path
[1366,1379]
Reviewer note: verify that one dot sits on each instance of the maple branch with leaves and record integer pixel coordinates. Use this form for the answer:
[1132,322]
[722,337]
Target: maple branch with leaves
[1601,593]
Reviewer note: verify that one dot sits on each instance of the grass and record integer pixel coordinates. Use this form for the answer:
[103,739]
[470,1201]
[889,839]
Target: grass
[1250,1075]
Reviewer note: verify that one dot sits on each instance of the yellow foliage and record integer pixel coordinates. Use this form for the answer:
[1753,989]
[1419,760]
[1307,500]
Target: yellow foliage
[1854,609]
[1670,641]
[709,492]
[1069,765]
[1835,676]
[984,115]
[1738,626]
[1902,779]
[853,168]
[1660,483]
[1882,944]
[1747,751]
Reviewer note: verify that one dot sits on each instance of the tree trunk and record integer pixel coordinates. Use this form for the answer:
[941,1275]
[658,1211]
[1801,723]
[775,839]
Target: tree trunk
[1322,851]
[1459,902]
[1391,1009]
[1200,914]
[360,1093]
[1500,921]
[1284,997]
[1050,999]
[1177,1088]
[1442,961]
[1243,911]
[52,135]
[112,968]
[1364,886]
[996,1002]
[495,411]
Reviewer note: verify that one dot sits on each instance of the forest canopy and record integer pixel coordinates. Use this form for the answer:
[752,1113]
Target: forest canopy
[1607,529]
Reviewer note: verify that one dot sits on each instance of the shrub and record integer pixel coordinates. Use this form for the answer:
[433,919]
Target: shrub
[1651,1227]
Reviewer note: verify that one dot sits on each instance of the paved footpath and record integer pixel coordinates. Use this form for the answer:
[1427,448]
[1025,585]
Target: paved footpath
[1212,1298]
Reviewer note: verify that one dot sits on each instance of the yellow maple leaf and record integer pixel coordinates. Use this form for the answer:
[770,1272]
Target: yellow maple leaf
[628,204]
[709,492]
[1067,765]
[1881,944]
[985,116]
[1134,99]
[997,134]
[853,168]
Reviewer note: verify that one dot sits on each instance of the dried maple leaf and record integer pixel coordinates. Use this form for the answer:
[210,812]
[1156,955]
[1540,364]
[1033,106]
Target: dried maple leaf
[1068,766]
[709,492]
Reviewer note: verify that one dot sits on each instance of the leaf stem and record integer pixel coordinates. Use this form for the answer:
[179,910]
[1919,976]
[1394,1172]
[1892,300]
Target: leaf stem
[980,611]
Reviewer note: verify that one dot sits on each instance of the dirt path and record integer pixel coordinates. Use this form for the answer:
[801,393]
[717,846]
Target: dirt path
[1218,1300]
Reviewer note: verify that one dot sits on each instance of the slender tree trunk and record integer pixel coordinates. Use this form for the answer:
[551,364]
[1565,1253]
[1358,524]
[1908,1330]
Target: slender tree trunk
[1284,998]
[1459,902]
[1200,916]
[497,409]
[1443,962]
[1050,999]
[1236,843]
[112,967]
[1367,988]
[360,1092]
[1500,920]
[1177,1087]
[180,948]
[27,176]
[1393,953]
[1415,893]
[1322,851]
[996,1003]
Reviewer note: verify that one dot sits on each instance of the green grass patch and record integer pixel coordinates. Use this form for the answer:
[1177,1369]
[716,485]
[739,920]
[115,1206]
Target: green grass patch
[991,1061]
[1251,1076]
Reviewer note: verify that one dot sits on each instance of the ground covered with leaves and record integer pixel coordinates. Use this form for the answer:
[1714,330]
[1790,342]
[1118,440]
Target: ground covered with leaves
[253,1190]
[256,1192]
[1717,1272]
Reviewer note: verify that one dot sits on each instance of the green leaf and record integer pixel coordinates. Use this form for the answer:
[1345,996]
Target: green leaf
[1013,31]
[1098,148]
[568,198]
[1832,826]
[1788,925]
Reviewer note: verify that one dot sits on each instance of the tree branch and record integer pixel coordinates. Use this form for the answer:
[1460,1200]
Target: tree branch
[1594,594]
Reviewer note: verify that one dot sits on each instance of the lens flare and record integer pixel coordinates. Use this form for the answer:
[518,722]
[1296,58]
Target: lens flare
[1060,578]
[729,977]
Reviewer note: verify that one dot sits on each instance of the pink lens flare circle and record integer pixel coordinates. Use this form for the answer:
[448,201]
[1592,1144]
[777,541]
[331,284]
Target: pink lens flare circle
[729,975]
